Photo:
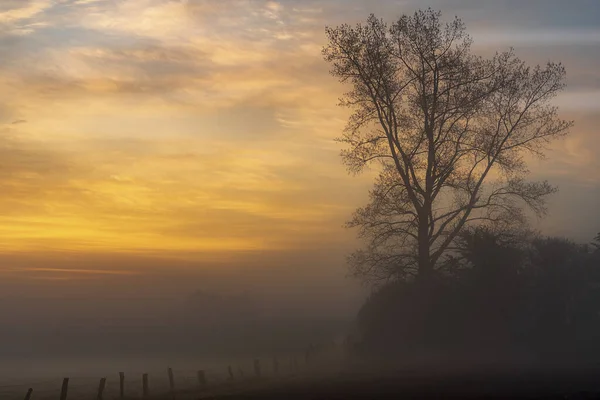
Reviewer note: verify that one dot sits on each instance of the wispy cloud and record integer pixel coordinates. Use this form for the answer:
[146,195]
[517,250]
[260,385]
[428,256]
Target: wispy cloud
[71,271]
[538,37]
[207,126]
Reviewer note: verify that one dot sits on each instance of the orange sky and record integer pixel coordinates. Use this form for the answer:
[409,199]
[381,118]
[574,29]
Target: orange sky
[203,130]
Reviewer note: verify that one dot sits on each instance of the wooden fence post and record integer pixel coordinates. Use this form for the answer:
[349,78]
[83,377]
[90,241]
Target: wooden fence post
[64,389]
[101,388]
[202,378]
[145,392]
[28,395]
[172,383]
[257,367]
[122,384]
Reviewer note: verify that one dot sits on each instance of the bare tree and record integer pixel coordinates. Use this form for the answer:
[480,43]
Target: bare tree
[448,129]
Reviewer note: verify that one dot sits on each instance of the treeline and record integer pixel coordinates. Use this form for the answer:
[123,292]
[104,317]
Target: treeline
[499,298]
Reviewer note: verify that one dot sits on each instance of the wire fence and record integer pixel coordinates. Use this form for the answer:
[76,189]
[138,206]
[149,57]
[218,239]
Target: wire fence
[186,382]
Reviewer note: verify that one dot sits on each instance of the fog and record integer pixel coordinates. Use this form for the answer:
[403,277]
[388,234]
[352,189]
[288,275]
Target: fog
[294,195]
[178,314]
[171,307]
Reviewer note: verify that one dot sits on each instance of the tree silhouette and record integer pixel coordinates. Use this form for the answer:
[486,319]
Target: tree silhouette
[449,131]
[514,295]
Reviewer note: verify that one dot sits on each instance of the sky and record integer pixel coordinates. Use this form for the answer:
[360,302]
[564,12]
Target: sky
[166,146]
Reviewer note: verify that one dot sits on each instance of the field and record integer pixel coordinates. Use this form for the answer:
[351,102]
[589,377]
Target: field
[46,377]
[326,375]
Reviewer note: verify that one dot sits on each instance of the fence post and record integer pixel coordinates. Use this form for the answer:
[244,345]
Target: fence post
[257,367]
[122,384]
[145,386]
[201,378]
[64,389]
[172,383]
[28,395]
[101,388]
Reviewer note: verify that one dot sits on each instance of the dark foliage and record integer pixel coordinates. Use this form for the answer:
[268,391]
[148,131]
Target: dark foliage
[501,299]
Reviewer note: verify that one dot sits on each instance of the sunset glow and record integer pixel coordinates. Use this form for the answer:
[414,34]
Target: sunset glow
[207,127]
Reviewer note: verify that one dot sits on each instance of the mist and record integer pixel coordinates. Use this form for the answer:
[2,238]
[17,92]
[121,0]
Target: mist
[279,198]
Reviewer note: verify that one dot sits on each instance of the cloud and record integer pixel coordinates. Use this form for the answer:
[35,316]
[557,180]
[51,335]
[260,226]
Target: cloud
[579,101]
[19,10]
[575,156]
[537,37]
[17,17]
[206,127]
[75,271]
[150,195]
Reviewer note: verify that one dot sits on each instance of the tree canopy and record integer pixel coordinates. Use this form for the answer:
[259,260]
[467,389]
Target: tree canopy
[449,131]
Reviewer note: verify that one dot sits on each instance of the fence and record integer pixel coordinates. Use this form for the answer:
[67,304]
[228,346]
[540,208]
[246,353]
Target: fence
[175,384]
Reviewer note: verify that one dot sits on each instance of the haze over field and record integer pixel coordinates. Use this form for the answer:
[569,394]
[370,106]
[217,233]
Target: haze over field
[161,153]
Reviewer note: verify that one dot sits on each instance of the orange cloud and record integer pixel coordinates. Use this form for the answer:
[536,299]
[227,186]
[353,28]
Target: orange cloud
[185,127]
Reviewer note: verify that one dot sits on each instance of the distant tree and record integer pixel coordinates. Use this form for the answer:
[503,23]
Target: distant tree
[492,256]
[449,131]
[516,295]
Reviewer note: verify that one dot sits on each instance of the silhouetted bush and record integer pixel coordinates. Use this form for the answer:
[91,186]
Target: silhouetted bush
[498,298]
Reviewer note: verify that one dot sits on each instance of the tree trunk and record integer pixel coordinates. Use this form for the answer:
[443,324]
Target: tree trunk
[425,268]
